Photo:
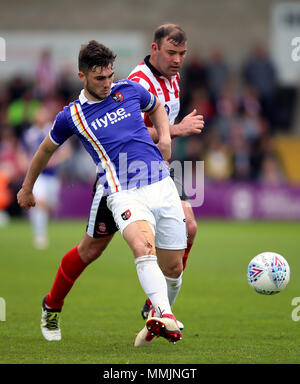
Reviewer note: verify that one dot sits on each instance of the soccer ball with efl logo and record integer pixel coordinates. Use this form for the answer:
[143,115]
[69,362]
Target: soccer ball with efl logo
[268,273]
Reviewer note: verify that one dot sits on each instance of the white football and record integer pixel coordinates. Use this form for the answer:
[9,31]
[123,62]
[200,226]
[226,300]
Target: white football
[268,273]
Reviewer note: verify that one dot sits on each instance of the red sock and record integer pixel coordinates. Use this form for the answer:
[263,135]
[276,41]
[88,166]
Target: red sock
[70,268]
[186,255]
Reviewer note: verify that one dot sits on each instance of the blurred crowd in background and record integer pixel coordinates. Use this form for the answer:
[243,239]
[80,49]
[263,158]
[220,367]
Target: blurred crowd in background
[243,109]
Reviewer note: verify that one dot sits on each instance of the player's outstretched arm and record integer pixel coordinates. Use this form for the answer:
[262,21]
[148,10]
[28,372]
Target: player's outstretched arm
[40,160]
[191,124]
[160,120]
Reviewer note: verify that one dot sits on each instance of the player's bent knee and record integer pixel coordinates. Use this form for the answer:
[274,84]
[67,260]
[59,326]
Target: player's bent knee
[173,270]
[88,255]
[142,248]
[90,249]
[140,238]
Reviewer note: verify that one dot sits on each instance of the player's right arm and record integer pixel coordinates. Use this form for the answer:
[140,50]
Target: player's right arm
[191,124]
[39,161]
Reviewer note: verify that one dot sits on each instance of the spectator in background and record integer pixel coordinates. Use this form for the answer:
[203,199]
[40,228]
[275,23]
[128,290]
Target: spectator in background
[47,187]
[45,75]
[12,167]
[80,168]
[66,84]
[250,101]
[271,174]
[259,72]
[53,102]
[241,153]
[194,76]
[4,103]
[191,168]
[200,101]
[12,157]
[227,109]
[21,111]
[218,161]
[5,197]
[16,87]
[250,114]
[195,72]
[261,148]
[218,73]
[194,148]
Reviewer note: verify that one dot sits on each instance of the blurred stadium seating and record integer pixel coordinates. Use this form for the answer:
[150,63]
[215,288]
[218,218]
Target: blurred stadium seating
[229,77]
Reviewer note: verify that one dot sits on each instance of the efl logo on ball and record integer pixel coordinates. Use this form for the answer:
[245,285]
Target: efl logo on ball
[268,273]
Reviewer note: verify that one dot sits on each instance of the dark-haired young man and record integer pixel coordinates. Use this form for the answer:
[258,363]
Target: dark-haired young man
[140,193]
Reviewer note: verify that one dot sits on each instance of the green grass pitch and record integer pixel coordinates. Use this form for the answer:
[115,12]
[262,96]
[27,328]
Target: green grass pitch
[225,320]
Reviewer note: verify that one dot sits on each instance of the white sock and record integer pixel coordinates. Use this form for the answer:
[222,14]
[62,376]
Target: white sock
[153,282]
[174,285]
[39,221]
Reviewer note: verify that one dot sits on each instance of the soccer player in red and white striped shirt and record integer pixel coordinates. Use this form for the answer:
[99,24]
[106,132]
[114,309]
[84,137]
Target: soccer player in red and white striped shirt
[159,74]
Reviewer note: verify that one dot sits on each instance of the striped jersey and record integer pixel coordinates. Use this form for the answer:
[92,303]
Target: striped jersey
[114,134]
[166,89]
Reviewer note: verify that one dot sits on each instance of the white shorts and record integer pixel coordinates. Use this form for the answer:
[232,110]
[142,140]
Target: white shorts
[47,188]
[159,204]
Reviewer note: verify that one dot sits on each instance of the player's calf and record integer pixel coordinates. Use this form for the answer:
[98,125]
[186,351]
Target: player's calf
[191,227]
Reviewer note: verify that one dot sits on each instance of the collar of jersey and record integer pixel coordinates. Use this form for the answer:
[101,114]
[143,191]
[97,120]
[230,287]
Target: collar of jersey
[83,99]
[150,66]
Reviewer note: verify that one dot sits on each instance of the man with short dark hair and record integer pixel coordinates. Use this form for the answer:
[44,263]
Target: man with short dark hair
[101,225]
[140,193]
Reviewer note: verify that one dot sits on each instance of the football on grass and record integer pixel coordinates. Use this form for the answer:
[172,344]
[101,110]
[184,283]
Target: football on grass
[268,273]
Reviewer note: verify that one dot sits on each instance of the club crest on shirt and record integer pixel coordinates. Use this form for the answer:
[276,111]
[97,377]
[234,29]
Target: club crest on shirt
[126,215]
[117,96]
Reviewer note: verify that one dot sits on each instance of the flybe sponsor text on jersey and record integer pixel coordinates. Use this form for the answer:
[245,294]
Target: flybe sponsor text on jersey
[110,118]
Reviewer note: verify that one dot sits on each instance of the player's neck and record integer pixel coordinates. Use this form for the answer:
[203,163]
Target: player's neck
[157,69]
[90,97]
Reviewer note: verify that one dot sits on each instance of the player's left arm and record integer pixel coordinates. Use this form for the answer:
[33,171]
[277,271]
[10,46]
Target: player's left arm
[160,120]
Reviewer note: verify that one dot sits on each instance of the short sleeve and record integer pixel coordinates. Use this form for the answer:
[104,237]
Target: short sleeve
[60,130]
[147,99]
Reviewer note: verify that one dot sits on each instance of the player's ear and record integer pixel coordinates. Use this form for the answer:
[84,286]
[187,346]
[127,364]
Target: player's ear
[81,75]
[154,47]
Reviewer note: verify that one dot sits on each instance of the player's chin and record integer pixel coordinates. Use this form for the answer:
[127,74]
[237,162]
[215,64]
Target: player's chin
[174,70]
[105,94]
[102,96]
